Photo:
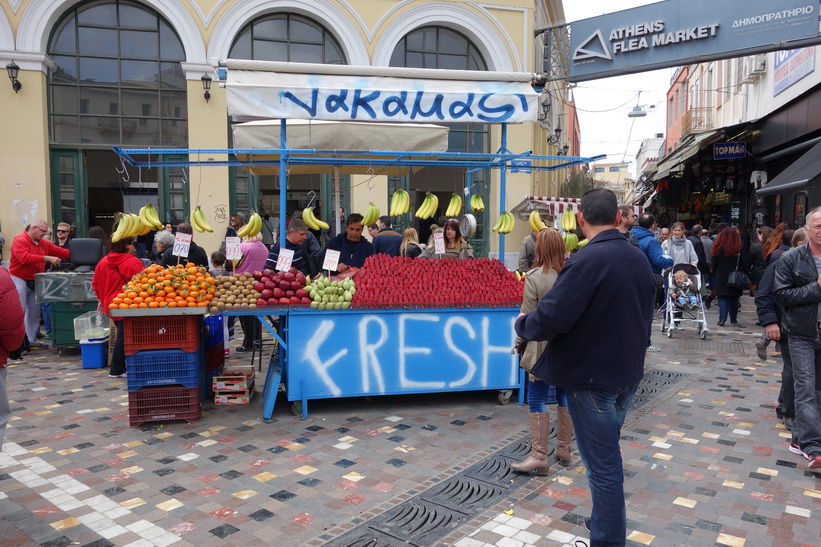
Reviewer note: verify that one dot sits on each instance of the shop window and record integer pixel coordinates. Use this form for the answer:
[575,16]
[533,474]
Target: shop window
[287,37]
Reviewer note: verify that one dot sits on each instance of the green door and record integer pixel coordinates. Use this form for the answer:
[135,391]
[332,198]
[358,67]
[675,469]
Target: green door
[69,190]
[174,192]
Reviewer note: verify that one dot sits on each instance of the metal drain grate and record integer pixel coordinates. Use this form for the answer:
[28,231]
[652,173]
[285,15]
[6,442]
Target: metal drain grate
[712,346]
[654,383]
[444,507]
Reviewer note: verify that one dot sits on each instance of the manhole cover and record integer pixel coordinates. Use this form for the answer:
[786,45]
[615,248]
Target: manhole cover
[654,383]
[712,346]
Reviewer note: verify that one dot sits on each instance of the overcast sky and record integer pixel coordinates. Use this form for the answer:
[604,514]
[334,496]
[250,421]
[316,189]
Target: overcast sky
[603,105]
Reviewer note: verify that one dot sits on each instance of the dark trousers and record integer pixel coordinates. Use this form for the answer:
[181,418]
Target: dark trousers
[250,329]
[118,357]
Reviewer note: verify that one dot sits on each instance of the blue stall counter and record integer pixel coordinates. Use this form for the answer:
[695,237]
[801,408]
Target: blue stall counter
[350,353]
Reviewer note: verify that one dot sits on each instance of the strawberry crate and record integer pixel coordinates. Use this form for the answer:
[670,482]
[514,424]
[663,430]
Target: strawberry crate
[234,397]
[162,404]
[235,379]
[162,332]
[214,357]
[163,367]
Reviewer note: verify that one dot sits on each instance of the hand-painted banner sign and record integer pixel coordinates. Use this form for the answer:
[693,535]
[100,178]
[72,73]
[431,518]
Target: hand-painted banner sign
[258,95]
[367,352]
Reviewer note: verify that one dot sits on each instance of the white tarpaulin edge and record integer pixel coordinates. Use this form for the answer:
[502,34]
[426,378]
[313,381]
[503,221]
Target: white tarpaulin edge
[337,97]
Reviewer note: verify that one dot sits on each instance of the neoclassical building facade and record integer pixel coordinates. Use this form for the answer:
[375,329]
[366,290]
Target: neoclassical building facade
[102,73]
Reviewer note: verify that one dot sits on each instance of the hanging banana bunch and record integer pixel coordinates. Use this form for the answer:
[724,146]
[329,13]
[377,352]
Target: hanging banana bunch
[454,207]
[476,203]
[400,203]
[505,223]
[535,221]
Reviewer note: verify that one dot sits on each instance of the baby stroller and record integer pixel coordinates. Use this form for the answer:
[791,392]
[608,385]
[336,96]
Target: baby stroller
[677,314]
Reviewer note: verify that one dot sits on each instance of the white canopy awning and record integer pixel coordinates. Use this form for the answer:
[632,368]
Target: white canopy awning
[338,136]
[553,206]
[269,89]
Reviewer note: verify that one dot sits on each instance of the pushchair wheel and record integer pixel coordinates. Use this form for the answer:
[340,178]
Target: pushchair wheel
[504,396]
[703,334]
[669,332]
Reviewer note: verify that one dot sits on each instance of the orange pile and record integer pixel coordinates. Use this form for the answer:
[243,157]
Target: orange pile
[172,287]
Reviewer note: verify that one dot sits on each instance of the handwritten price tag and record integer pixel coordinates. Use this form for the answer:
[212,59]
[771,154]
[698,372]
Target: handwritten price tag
[232,248]
[331,260]
[286,256]
[182,243]
[439,243]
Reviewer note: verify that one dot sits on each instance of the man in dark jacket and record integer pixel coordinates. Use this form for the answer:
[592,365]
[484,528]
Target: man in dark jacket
[386,241]
[698,246]
[196,254]
[608,276]
[353,249]
[797,288]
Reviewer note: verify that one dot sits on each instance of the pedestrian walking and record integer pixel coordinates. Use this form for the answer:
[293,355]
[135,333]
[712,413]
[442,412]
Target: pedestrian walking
[727,257]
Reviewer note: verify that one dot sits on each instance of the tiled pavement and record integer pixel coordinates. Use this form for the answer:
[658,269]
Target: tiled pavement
[706,462]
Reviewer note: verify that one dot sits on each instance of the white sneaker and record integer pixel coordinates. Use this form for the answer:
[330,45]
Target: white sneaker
[653,348]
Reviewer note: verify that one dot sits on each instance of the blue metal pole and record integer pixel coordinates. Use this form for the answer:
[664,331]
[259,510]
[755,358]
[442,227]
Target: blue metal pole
[283,182]
[502,193]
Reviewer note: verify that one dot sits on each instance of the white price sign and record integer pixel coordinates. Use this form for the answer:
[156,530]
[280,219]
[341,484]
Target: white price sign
[232,248]
[182,243]
[331,260]
[286,256]
[439,243]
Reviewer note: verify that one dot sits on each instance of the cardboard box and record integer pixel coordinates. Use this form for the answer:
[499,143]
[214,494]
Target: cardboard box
[229,398]
[234,382]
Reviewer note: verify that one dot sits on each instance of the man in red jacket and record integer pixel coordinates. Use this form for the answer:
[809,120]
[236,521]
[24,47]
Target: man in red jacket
[11,336]
[29,254]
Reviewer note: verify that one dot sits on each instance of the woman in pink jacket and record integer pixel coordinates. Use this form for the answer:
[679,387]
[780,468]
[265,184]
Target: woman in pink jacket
[254,254]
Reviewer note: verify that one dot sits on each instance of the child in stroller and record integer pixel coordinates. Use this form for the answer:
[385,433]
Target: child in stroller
[683,291]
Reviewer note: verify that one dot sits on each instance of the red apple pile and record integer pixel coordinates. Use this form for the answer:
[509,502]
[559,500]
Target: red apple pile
[281,288]
[401,282]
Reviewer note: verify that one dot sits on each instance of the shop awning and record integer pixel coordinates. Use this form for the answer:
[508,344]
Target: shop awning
[645,197]
[800,174]
[666,165]
[551,207]
[341,136]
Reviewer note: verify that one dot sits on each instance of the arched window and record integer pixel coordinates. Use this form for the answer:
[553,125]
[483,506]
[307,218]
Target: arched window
[118,77]
[287,37]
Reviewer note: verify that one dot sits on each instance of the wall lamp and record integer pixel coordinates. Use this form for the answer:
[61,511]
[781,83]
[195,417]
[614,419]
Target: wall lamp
[13,71]
[557,134]
[563,150]
[206,86]
[545,104]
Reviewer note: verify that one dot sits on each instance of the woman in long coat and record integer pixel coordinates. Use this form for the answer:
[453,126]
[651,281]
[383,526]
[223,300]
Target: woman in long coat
[727,257]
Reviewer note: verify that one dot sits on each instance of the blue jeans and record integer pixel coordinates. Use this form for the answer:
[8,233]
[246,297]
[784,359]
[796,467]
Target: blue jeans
[598,415]
[728,304]
[806,369]
[45,313]
[537,395]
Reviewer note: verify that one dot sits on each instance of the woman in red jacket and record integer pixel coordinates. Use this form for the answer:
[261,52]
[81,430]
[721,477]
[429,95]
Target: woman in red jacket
[114,271]
[12,331]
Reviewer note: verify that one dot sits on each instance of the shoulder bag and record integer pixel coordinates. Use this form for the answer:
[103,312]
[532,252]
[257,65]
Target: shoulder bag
[738,279]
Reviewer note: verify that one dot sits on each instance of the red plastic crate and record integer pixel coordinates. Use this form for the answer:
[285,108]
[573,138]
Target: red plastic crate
[162,404]
[214,357]
[166,332]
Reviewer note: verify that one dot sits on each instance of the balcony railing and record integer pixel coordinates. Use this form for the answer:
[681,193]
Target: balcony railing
[697,120]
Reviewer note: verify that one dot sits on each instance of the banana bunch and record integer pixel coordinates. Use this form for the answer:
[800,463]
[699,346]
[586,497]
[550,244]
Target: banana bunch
[520,276]
[505,223]
[371,214]
[476,203]
[252,228]
[400,203]
[568,220]
[581,244]
[149,217]
[129,225]
[535,221]
[428,207]
[454,207]
[313,222]
[571,241]
[198,221]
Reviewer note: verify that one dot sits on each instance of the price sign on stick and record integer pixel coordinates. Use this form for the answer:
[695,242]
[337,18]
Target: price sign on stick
[232,249]
[331,260]
[439,243]
[286,256]
[182,243]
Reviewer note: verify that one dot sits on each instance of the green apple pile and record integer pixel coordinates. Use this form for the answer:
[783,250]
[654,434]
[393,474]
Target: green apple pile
[331,295]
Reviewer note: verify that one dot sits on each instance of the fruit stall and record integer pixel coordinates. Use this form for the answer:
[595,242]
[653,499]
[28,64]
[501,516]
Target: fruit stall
[398,325]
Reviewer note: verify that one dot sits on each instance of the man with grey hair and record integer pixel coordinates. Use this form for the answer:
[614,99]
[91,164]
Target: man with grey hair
[30,252]
[608,276]
[297,234]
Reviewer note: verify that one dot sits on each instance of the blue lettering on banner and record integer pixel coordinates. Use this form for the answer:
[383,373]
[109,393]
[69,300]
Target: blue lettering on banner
[368,105]
[343,354]
[729,150]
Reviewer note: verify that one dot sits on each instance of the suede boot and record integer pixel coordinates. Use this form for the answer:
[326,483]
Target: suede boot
[539,431]
[564,436]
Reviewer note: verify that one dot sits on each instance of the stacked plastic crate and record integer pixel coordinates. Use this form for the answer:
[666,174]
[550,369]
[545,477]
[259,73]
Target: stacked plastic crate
[214,352]
[164,363]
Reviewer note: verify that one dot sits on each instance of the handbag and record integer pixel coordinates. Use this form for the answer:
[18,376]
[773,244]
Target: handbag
[738,279]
